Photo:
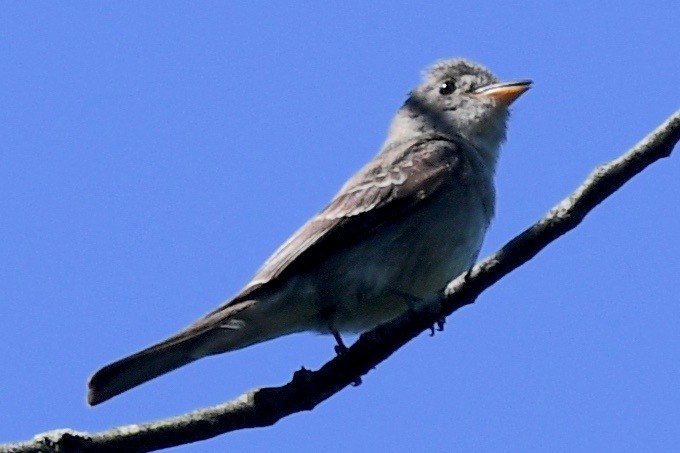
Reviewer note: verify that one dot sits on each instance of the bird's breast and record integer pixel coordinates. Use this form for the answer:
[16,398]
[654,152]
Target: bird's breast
[417,254]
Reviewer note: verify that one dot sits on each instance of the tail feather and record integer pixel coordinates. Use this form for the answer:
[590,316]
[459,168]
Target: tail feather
[136,369]
[204,337]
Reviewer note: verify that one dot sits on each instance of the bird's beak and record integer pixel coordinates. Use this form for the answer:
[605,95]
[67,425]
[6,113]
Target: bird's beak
[504,93]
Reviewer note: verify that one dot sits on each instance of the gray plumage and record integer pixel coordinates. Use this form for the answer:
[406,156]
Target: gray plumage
[407,223]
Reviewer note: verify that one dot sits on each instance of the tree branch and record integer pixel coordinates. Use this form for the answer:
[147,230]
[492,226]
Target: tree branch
[265,406]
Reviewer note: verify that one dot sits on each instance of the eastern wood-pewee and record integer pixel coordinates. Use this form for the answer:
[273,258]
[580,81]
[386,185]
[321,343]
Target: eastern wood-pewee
[408,222]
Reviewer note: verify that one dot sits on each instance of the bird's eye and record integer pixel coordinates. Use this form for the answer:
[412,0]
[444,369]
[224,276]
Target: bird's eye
[447,87]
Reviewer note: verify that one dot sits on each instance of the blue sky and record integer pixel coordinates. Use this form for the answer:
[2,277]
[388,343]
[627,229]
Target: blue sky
[155,153]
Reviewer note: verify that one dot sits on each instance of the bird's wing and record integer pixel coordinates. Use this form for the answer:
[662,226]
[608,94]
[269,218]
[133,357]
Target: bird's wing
[387,188]
[382,191]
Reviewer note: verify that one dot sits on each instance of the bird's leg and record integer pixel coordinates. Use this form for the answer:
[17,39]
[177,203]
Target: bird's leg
[340,349]
[438,326]
[468,274]
[440,323]
[411,302]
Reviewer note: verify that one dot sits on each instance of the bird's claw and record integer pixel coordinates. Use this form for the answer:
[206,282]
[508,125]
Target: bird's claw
[437,326]
[340,350]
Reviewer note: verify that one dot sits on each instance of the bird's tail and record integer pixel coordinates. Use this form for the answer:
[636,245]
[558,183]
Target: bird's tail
[138,368]
[231,326]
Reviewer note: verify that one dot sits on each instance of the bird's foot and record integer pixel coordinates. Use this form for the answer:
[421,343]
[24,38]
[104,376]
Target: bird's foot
[340,347]
[437,326]
[340,350]
[468,274]
[411,302]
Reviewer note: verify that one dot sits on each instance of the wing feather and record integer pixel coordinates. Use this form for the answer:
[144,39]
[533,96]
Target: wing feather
[384,189]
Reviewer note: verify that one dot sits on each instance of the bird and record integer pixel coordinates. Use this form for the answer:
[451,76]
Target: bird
[404,225]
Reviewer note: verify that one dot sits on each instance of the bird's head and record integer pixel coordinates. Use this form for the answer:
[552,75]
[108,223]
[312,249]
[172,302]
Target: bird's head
[458,97]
